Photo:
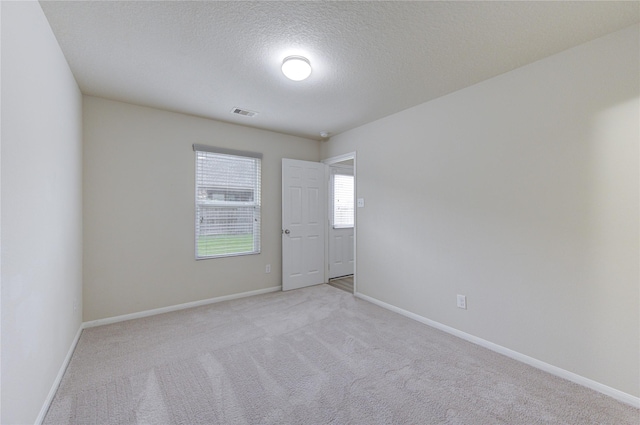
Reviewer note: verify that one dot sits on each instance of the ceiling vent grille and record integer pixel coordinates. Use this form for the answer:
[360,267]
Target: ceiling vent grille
[244,112]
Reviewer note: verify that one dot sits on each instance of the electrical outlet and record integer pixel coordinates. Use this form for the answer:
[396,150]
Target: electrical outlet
[462,302]
[267,269]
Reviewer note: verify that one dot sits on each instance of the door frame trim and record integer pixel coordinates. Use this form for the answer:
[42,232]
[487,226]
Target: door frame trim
[331,161]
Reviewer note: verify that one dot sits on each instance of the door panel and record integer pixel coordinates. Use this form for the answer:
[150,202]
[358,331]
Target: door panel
[341,252]
[303,223]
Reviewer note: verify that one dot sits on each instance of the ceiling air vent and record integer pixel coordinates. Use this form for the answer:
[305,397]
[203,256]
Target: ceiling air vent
[244,112]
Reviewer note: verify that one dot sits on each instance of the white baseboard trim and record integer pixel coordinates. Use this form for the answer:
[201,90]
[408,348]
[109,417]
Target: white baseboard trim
[554,370]
[147,313]
[56,382]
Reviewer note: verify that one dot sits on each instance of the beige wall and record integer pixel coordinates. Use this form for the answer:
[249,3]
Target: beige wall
[521,193]
[139,208]
[41,211]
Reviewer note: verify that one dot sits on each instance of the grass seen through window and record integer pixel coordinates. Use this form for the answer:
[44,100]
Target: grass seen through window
[224,244]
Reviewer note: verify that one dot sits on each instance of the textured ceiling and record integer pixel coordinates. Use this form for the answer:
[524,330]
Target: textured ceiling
[370,59]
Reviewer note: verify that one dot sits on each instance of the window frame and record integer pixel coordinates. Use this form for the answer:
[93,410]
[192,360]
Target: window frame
[221,205]
[341,171]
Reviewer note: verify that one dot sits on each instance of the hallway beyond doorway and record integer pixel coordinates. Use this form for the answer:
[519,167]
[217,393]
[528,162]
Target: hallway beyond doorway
[344,282]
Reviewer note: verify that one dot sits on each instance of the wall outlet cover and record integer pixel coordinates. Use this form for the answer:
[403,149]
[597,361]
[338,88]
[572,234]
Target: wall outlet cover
[462,301]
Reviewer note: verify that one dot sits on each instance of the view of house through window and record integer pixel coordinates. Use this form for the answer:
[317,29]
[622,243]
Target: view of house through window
[227,202]
[342,201]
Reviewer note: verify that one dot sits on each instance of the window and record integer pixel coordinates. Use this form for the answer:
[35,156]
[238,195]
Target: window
[342,200]
[227,202]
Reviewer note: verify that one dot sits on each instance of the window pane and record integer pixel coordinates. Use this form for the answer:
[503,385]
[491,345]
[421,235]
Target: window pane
[227,205]
[342,201]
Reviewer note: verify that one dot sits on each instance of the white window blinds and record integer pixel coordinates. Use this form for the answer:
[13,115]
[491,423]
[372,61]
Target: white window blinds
[227,202]
[342,200]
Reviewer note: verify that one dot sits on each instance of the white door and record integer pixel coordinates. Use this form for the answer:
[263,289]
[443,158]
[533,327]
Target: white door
[341,252]
[341,221]
[303,223]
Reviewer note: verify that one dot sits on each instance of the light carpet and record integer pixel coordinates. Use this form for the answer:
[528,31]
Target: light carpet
[312,356]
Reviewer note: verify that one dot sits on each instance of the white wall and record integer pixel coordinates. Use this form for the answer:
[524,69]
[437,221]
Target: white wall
[521,193]
[41,210]
[139,208]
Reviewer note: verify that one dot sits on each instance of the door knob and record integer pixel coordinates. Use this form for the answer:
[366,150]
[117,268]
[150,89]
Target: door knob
[286,232]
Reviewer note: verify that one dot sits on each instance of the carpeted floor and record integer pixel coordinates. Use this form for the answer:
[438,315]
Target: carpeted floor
[310,356]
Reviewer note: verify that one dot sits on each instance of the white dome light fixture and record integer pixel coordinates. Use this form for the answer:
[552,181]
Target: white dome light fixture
[296,68]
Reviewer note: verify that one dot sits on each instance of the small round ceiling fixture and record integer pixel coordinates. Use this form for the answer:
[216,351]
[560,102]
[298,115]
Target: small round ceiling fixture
[296,68]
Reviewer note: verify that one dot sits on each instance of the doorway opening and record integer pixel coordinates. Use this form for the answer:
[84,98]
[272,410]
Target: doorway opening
[341,229]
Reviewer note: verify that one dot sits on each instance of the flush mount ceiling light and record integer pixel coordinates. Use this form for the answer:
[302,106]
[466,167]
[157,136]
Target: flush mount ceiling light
[296,68]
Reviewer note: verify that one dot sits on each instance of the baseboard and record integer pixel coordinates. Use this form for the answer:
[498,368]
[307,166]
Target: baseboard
[147,313]
[554,370]
[56,382]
